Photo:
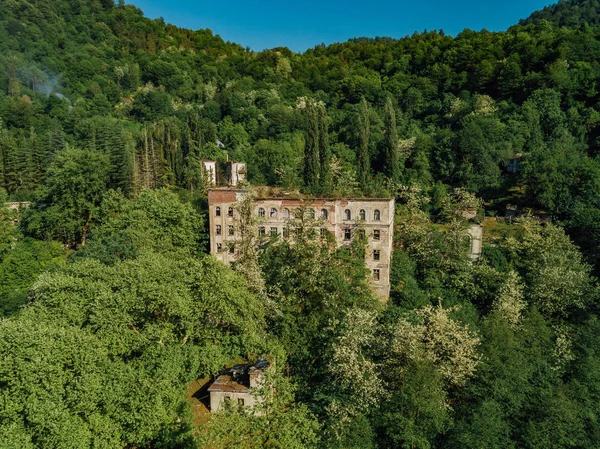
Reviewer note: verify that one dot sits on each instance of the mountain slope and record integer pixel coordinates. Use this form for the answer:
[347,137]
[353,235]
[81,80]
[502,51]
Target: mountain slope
[569,13]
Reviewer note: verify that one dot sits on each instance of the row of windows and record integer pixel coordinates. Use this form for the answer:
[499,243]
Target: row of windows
[362,214]
[273,213]
[219,230]
[218,212]
[231,248]
[274,232]
[348,234]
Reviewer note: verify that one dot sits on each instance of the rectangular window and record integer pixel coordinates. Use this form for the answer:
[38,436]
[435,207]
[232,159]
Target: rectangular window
[231,249]
[347,234]
[376,234]
[219,247]
[376,254]
[230,231]
[218,212]
[261,231]
[218,230]
[240,402]
[376,274]
[274,232]
[361,233]
[323,232]
[285,232]
[230,212]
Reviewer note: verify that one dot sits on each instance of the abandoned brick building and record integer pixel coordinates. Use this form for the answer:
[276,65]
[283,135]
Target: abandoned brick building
[342,217]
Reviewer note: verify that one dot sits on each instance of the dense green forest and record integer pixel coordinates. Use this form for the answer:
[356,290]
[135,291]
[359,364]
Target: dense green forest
[110,305]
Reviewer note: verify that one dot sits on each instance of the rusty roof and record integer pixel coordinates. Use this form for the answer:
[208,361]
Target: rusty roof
[226,382]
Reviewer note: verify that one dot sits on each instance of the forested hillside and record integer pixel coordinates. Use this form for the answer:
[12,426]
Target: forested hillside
[110,306]
[570,13]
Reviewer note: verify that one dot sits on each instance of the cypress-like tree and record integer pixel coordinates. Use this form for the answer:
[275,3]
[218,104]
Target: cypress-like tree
[392,155]
[311,150]
[38,157]
[324,152]
[364,162]
[54,140]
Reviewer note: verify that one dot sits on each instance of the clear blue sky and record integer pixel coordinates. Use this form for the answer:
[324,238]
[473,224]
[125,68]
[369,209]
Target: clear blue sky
[302,24]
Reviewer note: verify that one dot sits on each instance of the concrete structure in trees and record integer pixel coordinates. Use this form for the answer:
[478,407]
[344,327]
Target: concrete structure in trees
[236,385]
[236,173]
[475,233]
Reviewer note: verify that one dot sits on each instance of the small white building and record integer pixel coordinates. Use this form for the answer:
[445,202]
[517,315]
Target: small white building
[236,384]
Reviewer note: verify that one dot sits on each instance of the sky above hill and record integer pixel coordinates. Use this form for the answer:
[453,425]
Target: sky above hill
[302,24]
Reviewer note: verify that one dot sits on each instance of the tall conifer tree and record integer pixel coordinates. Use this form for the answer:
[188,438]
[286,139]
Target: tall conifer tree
[392,155]
[311,150]
[324,152]
[364,162]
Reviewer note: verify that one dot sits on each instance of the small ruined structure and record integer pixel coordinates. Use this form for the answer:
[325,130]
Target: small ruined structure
[513,212]
[475,232]
[467,214]
[236,172]
[210,168]
[236,385]
[342,217]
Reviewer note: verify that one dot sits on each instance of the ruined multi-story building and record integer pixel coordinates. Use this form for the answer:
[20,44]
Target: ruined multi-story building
[342,217]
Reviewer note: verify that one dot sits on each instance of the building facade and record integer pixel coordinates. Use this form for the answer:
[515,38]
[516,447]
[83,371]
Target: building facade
[342,217]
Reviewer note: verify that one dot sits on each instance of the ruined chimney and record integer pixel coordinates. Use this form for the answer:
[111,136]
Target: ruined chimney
[255,376]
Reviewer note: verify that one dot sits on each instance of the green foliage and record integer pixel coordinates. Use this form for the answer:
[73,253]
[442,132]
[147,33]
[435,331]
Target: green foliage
[156,220]
[276,422]
[391,151]
[557,280]
[69,201]
[20,268]
[104,114]
[105,352]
